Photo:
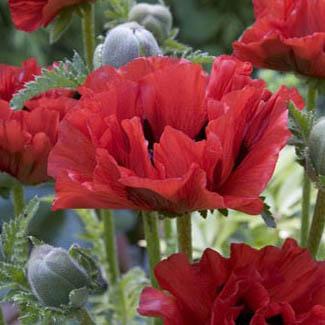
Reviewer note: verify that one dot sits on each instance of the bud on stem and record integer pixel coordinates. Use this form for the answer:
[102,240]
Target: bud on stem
[125,43]
[55,278]
[155,18]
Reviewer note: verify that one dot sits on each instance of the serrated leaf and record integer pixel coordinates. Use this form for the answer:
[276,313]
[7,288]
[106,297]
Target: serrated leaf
[15,245]
[300,121]
[66,74]
[300,124]
[128,288]
[12,273]
[83,257]
[61,24]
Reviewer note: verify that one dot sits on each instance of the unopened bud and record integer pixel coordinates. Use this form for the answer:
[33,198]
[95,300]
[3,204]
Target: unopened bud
[98,56]
[317,146]
[55,278]
[127,42]
[156,18]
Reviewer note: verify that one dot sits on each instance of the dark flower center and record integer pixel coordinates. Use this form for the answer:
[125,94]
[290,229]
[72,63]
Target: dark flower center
[275,320]
[245,318]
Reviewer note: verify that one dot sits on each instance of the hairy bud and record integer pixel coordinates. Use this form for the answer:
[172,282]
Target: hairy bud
[98,55]
[127,42]
[55,278]
[156,18]
[317,146]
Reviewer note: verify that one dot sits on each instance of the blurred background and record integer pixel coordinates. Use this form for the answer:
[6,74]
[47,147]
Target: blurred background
[209,25]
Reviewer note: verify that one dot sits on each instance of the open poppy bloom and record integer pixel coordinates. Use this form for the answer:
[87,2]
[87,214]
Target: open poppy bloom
[30,15]
[160,134]
[271,286]
[287,36]
[27,136]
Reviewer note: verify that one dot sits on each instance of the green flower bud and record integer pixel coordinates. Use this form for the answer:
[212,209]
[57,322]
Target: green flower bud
[156,18]
[98,54]
[55,277]
[317,146]
[127,42]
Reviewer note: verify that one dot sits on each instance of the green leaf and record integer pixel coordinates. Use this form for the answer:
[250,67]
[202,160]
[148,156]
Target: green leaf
[61,24]
[86,261]
[15,245]
[118,12]
[10,273]
[300,121]
[300,124]
[128,289]
[66,74]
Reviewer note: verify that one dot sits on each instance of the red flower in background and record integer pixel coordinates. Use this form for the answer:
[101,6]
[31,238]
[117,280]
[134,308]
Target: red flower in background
[257,287]
[30,15]
[13,78]
[26,137]
[287,35]
[159,134]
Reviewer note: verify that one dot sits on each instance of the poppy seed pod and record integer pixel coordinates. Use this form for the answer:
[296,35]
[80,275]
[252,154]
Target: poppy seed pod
[54,276]
[156,18]
[317,146]
[98,55]
[127,42]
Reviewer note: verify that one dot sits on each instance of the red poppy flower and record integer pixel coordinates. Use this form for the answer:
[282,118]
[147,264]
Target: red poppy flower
[26,137]
[13,78]
[258,287]
[29,15]
[287,35]
[159,134]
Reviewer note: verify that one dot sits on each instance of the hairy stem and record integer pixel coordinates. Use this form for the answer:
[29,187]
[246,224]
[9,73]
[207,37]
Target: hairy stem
[306,193]
[318,224]
[110,245]
[151,231]
[18,198]
[88,32]
[184,235]
[306,190]
[169,238]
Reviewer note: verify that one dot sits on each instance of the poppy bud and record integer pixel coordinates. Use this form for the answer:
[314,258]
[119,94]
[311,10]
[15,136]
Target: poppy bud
[156,18]
[127,42]
[317,146]
[98,54]
[55,277]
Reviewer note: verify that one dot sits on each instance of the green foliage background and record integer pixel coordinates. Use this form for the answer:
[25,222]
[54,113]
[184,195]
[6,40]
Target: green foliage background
[209,25]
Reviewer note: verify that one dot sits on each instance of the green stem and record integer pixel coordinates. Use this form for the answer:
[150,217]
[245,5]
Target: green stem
[88,31]
[306,190]
[184,233]
[84,317]
[18,198]
[110,245]
[168,231]
[311,98]
[306,193]
[151,231]
[318,224]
